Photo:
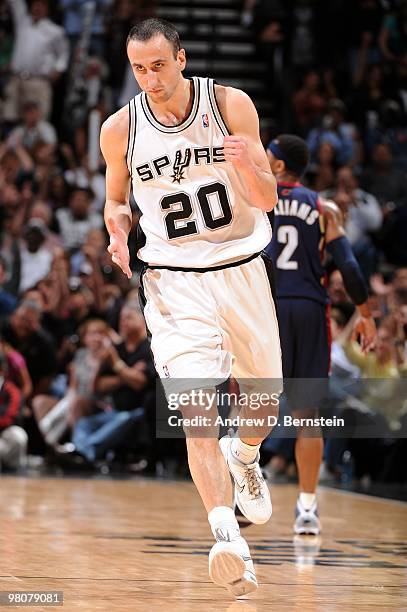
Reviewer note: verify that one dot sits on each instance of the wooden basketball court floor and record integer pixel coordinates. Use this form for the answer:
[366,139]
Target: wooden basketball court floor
[143,545]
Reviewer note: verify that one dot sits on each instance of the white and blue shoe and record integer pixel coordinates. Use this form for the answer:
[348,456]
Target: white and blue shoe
[252,495]
[307,521]
[231,566]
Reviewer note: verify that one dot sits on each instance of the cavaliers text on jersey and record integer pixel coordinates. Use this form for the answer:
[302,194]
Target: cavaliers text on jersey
[298,244]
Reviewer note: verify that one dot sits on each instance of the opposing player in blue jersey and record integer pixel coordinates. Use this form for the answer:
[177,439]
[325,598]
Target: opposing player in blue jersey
[304,227]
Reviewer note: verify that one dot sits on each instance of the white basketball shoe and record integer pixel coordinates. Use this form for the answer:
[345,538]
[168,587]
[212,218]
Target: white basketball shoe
[307,521]
[231,566]
[252,495]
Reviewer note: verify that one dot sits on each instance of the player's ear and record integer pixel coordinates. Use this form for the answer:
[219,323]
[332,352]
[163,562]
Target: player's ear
[279,167]
[181,59]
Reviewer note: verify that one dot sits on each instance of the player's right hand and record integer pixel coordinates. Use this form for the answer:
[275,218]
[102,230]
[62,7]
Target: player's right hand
[118,248]
[365,330]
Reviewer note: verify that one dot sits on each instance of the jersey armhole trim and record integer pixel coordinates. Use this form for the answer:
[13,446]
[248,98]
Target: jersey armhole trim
[128,135]
[132,135]
[215,108]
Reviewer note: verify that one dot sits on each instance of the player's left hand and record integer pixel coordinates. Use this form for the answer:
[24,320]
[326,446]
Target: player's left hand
[236,150]
[365,330]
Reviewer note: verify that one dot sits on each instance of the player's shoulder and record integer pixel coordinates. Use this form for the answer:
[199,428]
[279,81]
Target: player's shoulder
[227,96]
[116,127]
[236,108]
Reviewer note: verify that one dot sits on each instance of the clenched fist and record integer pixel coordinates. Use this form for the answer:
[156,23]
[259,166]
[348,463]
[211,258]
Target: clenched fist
[236,150]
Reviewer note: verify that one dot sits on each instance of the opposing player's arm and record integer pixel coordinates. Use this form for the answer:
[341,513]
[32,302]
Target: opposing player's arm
[244,148]
[339,247]
[117,212]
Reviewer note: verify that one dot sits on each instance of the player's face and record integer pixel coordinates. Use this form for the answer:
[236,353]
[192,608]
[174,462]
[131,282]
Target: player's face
[157,70]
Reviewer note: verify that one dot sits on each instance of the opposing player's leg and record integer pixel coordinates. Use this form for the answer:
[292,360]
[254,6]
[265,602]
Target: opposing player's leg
[308,454]
[311,369]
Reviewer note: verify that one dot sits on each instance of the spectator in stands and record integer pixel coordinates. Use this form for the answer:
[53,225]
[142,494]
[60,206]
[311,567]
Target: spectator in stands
[74,14]
[16,370]
[34,128]
[393,34]
[13,438]
[362,215]
[76,221]
[40,211]
[336,289]
[337,132]
[23,332]
[55,416]
[309,102]
[35,258]
[40,57]
[8,301]
[128,375]
[387,183]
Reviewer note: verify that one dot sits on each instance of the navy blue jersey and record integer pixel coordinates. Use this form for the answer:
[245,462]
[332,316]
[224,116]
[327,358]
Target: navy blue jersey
[297,246]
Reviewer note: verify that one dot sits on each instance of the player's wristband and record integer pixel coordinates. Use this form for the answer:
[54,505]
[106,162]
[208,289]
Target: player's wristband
[344,258]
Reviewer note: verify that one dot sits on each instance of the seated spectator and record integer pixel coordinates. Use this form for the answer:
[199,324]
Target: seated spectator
[16,370]
[40,211]
[36,260]
[337,132]
[76,221]
[55,416]
[336,289]
[34,129]
[13,438]
[81,176]
[128,375]
[341,366]
[362,215]
[322,173]
[23,332]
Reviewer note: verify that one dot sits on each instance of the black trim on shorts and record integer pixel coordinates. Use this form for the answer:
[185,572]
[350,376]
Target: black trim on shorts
[233,264]
[142,299]
[270,274]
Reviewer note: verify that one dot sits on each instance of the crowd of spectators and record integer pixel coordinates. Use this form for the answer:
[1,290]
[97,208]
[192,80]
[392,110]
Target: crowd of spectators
[79,379]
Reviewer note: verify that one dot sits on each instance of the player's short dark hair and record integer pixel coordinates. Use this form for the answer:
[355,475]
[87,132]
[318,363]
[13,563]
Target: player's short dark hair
[147,28]
[293,152]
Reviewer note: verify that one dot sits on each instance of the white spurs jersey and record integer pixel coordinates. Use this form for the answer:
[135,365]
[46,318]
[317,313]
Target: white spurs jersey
[195,212]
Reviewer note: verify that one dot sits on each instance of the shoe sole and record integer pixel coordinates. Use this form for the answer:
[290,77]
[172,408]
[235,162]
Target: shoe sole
[306,531]
[227,569]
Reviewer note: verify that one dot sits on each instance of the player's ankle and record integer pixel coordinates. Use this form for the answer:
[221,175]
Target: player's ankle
[307,500]
[223,523]
[245,453]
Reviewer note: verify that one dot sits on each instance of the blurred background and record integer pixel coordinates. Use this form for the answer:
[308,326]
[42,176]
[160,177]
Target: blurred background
[77,379]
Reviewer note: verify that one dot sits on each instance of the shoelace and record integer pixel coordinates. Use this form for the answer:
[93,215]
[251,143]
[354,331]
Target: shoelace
[253,481]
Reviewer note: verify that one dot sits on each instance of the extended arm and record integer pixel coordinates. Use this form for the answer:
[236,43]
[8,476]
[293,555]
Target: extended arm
[244,147]
[117,213]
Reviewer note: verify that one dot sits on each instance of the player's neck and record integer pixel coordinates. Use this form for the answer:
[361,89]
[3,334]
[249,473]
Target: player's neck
[178,107]
[287,179]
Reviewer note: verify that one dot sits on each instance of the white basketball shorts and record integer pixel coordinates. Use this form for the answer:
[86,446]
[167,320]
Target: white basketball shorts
[213,324]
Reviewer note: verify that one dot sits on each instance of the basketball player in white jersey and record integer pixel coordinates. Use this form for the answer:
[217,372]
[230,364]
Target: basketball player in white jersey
[200,176]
